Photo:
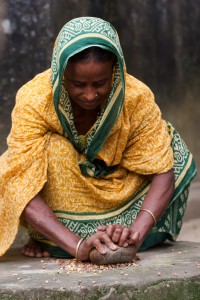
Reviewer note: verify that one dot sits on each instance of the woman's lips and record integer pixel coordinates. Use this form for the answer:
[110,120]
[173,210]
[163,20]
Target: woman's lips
[90,103]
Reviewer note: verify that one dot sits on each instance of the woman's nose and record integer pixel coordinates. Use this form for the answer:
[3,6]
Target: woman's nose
[90,94]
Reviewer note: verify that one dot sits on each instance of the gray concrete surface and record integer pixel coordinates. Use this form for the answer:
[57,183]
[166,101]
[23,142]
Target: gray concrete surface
[168,272]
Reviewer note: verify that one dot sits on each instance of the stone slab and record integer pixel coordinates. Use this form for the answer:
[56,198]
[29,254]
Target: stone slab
[168,272]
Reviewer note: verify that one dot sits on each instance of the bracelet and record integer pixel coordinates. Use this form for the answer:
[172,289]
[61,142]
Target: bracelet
[77,247]
[150,212]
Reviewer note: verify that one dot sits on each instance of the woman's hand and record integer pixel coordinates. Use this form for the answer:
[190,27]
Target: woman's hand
[97,240]
[121,235]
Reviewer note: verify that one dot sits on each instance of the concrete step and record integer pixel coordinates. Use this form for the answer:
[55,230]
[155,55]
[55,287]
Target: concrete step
[168,272]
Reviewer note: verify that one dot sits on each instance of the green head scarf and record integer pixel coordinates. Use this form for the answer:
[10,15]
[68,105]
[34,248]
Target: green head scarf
[74,37]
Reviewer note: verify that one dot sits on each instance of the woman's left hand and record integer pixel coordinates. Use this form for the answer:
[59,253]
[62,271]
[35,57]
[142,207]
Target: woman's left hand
[121,235]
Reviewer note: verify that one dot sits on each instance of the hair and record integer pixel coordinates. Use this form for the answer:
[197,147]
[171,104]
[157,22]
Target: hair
[96,53]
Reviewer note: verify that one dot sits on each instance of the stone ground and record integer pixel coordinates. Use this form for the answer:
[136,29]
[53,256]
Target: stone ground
[170,272]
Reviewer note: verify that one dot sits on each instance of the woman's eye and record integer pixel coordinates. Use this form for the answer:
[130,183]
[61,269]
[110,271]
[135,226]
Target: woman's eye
[78,84]
[100,83]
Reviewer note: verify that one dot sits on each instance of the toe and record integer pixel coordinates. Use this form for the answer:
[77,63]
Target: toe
[32,249]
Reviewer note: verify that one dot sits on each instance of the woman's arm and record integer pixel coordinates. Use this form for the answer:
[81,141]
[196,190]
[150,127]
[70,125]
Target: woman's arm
[44,221]
[156,200]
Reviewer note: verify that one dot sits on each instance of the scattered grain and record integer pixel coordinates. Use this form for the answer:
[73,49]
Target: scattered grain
[71,265]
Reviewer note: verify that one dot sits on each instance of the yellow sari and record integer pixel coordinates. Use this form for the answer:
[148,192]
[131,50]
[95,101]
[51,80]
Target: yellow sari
[41,158]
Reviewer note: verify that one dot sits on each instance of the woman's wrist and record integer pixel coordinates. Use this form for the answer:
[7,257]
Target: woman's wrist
[151,214]
[143,224]
[77,248]
[83,250]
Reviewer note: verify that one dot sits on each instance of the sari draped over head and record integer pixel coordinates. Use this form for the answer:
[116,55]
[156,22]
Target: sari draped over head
[76,36]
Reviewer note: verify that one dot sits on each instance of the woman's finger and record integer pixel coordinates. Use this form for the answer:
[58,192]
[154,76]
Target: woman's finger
[110,229]
[133,238]
[102,228]
[124,237]
[99,246]
[110,244]
[117,234]
[104,238]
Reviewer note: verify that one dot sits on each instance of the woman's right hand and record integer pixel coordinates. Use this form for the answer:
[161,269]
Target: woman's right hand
[97,240]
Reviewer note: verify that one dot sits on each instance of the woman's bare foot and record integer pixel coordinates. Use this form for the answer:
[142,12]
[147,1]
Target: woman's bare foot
[32,249]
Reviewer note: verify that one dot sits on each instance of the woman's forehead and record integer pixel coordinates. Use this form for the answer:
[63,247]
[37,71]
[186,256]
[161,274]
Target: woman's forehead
[92,69]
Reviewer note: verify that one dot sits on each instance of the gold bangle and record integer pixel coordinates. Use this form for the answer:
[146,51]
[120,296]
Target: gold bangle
[147,210]
[77,247]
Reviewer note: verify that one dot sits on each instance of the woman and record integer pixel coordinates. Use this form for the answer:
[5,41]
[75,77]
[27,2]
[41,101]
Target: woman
[90,160]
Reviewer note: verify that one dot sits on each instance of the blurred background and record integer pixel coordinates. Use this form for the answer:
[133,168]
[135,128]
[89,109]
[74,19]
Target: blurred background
[160,40]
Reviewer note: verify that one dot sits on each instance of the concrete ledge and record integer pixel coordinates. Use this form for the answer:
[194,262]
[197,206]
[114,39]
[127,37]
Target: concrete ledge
[168,272]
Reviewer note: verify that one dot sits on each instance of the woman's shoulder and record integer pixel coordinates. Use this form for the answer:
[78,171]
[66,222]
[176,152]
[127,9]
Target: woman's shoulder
[35,101]
[37,89]
[139,98]
[136,91]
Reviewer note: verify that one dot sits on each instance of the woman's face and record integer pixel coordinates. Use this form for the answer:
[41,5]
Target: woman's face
[88,82]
